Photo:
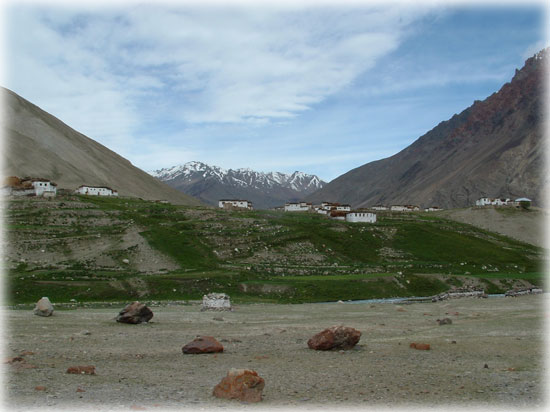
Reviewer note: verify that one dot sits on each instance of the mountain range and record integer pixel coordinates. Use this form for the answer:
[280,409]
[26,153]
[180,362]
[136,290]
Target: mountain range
[493,148]
[212,183]
[38,144]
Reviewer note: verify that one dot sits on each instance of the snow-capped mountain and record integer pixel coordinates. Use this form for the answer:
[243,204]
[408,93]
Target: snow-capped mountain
[212,183]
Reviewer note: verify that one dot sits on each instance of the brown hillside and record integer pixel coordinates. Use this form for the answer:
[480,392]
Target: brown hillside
[493,148]
[39,144]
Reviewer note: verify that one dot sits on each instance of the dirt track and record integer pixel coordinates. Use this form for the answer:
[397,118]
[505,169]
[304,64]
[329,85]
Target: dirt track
[142,366]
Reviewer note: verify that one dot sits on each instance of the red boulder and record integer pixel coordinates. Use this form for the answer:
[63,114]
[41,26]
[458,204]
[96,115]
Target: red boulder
[242,384]
[135,313]
[335,337]
[203,344]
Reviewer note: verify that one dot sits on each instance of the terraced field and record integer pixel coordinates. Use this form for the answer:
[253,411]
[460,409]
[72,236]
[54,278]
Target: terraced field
[84,249]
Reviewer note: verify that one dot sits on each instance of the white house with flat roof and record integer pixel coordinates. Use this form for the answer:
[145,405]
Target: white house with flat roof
[96,191]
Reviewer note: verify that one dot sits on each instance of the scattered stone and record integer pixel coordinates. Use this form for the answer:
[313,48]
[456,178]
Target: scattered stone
[80,390]
[335,337]
[85,333]
[135,313]
[420,346]
[43,307]
[242,384]
[203,344]
[401,310]
[39,388]
[445,321]
[219,319]
[26,353]
[126,261]
[14,359]
[216,301]
[82,370]
[454,342]
[486,366]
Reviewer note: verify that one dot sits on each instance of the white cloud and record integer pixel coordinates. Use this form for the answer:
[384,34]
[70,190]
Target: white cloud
[213,64]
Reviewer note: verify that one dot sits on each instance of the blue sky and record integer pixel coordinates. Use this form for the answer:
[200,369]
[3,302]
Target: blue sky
[281,87]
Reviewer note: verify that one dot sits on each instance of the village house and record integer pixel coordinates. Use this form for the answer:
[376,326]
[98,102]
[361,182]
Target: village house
[379,207]
[337,215]
[298,207]
[404,208]
[362,217]
[432,209]
[487,201]
[28,186]
[234,204]
[96,191]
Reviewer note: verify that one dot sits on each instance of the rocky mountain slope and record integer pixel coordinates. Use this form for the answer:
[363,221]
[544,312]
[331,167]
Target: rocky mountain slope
[493,148]
[264,190]
[39,145]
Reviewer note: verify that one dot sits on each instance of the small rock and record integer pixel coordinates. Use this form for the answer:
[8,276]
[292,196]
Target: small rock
[85,333]
[40,388]
[43,307]
[242,384]
[335,337]
[420,346]
[203,344]
[445,321]
[126,261]
[486,366]
[135,313]
[401,310]
[80,390]
[82,370]
[219,319]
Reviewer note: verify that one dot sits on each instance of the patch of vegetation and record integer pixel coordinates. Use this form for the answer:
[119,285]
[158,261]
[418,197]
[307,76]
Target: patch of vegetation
[262,256]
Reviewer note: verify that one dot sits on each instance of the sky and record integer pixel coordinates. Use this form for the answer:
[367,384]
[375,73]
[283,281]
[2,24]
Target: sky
[283,86]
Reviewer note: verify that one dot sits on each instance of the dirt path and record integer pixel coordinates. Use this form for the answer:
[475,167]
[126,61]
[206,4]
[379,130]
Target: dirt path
[491,355]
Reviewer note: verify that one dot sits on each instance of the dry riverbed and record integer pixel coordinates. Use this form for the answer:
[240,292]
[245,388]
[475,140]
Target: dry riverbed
[491,355]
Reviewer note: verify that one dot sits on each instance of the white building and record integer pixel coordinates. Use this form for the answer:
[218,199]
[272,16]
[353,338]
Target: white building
[404,208]
[43,187]
[96,191]
[343,208]
[29,187]
[487,201]
[432,209]
[361,217]
[298,207]
[379,207]
[234,204]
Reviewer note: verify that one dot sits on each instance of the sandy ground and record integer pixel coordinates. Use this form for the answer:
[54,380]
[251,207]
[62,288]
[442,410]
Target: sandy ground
[491,355]
[528,227]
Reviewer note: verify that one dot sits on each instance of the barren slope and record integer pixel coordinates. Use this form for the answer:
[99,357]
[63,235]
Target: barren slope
[39,145]
[494,148]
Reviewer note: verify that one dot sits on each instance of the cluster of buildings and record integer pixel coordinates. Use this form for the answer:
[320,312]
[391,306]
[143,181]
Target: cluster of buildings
[36,186]
[335,211]
[488,201]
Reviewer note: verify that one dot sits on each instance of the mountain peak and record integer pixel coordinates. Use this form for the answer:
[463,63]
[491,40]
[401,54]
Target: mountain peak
[265,190]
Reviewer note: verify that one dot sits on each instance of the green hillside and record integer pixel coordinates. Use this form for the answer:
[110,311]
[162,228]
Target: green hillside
[80,248]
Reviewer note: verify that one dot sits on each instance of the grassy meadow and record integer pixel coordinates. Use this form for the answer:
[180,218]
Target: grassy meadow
[74,248]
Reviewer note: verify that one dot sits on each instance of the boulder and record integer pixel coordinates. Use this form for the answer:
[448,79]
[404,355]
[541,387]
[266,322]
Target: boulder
[43,307]
[203,344]
[420,346]
[135,313]
[445,321]
[242,384]
[335,337]
[82,370]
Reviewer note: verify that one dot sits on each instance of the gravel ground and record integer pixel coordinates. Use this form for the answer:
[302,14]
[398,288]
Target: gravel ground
[491,355]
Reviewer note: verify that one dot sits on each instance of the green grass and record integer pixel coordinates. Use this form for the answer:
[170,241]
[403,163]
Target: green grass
[422,244]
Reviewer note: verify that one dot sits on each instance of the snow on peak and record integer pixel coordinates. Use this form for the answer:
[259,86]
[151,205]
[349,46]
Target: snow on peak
[244,177]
